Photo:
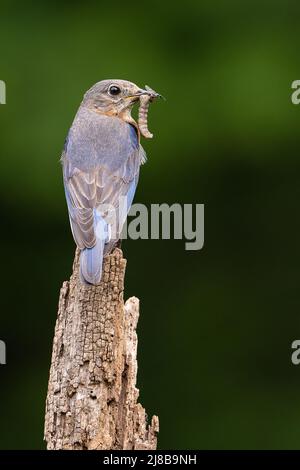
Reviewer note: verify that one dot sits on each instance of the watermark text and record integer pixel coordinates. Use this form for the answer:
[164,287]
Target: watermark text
[2,92]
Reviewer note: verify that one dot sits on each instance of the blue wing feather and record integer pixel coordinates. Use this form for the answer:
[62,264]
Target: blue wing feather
[101,166]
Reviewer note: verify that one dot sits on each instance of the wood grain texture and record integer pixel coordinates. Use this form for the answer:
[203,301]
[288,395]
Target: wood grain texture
[92,395]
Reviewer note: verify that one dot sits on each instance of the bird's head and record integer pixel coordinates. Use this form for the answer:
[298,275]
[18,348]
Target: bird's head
[116,98]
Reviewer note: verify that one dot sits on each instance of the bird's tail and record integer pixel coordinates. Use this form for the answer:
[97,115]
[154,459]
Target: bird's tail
[91,259]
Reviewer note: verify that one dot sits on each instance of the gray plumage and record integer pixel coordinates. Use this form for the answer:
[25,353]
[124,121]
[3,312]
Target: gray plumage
[101,162]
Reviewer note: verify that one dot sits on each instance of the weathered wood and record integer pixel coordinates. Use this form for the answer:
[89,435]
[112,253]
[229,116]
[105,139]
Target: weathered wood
[92,395]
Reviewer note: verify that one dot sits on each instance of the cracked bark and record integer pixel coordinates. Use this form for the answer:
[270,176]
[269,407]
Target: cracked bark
[92,396]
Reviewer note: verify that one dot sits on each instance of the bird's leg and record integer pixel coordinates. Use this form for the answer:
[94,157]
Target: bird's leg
[119,243]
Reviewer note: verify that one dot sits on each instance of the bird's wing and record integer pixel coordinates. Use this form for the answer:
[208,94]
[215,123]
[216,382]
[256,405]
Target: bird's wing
[101,167]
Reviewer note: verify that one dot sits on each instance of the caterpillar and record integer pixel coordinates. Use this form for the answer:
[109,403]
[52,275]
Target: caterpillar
[145,101]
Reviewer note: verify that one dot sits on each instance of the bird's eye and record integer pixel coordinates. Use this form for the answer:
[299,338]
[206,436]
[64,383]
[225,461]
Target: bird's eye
[114,90]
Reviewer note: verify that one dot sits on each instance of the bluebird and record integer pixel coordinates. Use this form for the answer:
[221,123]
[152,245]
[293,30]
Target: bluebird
[101,163]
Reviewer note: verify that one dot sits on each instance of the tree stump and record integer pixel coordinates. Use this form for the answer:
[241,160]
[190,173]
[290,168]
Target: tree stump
[92,395]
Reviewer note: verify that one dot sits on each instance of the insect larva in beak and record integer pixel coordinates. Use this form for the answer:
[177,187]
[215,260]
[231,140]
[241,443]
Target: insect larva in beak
[143,116]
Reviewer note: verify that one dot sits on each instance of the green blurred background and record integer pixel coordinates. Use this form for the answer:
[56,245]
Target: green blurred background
[216,325]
